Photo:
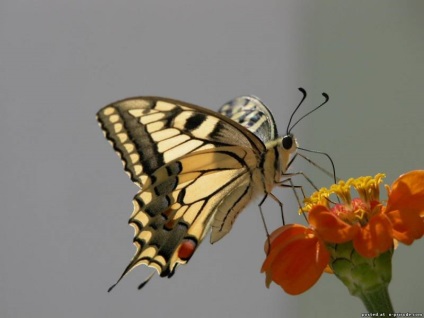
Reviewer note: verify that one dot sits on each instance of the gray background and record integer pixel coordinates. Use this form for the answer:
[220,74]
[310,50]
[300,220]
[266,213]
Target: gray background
[65,199]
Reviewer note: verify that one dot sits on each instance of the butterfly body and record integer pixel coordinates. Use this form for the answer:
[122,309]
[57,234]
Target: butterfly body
[197,169]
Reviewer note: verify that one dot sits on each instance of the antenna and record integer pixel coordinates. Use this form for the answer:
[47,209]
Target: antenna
[291,117]
[302,90]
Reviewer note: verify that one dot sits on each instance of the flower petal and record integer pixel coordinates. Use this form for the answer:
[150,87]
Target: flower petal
[278,239]
[375,237]
[297,262]
[405,206]
[407,225]
[408,191]
[329,227]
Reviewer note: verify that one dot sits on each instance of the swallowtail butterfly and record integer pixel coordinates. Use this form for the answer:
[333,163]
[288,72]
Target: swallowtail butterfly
[197,169]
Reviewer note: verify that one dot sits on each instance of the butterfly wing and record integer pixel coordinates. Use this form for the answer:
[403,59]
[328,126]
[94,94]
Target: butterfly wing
[195,170]
[252,114]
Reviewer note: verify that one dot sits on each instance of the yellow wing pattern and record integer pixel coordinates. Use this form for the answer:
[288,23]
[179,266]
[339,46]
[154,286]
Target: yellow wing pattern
[195,168]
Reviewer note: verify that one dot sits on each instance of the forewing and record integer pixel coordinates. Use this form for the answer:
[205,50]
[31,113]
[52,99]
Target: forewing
[148,132]
[252,114]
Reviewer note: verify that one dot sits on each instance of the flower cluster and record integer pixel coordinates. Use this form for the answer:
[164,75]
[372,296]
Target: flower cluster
[370,227]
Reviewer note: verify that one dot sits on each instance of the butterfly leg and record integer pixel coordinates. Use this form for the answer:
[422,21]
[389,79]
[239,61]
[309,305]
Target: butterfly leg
[262,214]
[288,183]
[332,174]
[289,176]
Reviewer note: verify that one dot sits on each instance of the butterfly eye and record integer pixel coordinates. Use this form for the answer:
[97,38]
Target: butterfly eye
[287,142]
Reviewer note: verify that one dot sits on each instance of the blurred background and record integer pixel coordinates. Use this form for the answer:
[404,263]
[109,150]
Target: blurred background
[65,199]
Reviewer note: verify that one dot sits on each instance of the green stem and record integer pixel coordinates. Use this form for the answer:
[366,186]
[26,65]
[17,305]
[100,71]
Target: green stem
[377,301]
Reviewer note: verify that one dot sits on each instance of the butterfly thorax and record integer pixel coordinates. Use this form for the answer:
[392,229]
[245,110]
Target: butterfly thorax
[275,160]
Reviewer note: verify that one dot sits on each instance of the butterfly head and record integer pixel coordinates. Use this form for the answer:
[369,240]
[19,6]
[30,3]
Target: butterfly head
[286,146]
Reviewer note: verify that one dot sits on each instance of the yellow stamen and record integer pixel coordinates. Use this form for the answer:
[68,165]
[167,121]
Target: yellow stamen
[342,190]
[367,188]
[319,197]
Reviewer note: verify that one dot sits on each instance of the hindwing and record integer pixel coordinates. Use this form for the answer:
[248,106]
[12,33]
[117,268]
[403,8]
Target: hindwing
[252,114]
[194,167]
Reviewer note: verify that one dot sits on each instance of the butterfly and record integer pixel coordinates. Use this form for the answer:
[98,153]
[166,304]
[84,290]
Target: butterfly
[197,169]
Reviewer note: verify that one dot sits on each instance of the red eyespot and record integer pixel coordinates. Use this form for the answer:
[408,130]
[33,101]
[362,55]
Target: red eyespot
[187,248]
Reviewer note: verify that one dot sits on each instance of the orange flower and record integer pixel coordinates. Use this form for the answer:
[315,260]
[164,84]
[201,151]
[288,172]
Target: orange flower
[298,254]
[293,270]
